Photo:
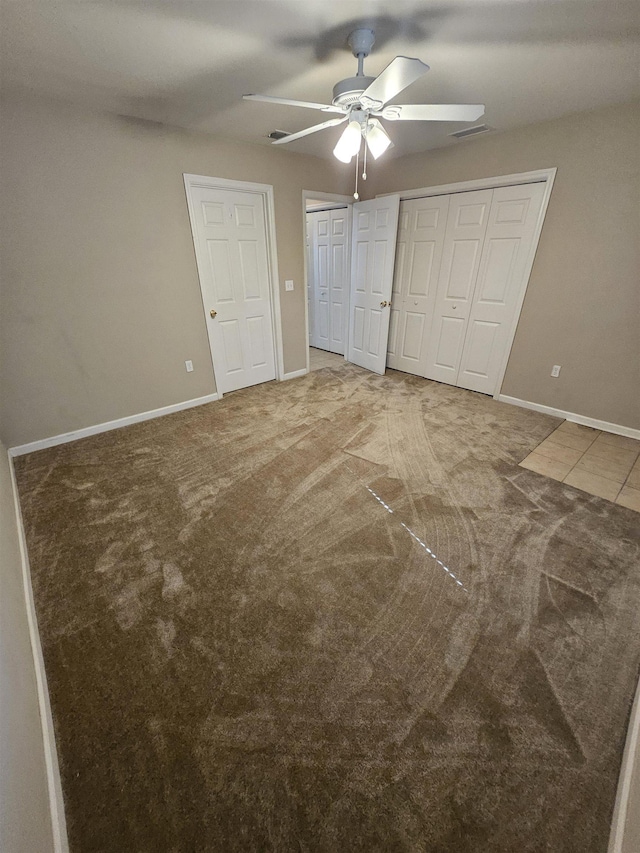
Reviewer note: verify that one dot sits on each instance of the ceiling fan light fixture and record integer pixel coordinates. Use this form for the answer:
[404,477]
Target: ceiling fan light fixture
[349,143]
[377,139]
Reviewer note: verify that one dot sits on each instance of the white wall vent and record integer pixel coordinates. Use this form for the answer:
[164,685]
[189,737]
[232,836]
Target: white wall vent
[471,131]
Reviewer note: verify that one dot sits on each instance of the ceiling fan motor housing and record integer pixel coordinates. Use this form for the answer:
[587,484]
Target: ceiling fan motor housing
[348,91]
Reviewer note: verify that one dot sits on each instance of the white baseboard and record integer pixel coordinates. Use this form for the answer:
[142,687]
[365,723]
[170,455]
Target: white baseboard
[294,374]
[56,802]
[43,443]
[618,429]
[630,765]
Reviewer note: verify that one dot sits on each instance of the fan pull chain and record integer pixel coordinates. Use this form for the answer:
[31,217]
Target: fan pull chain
[355,195]
[364,168]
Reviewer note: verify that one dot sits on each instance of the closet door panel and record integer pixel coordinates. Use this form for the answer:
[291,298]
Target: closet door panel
[328,236]
[323,249]
[463,242]
[463,266]
[339,283]
[421,267]
[418,256]
[449,342]
[505,256]
[413,336]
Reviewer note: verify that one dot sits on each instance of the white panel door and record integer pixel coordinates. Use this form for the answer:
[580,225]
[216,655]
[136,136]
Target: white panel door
[231,250]
[421,233]
[505,255]
[464,236]
[373,242]
[329,241]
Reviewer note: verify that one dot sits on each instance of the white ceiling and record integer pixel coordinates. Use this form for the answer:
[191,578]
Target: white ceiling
[188,62]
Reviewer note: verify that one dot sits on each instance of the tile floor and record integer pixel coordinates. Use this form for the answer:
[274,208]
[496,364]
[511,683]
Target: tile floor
[319,358]
[600,463]
[597,462]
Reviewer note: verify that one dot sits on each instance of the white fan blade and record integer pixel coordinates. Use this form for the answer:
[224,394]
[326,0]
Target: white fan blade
[399,73]
[432,112]
[316,127]
[271,99]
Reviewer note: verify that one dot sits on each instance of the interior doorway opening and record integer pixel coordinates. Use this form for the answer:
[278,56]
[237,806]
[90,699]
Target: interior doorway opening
[327,235]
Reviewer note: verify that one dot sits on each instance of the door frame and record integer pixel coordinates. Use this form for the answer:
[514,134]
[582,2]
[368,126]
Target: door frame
[332,198]
[546,176]
[266,191]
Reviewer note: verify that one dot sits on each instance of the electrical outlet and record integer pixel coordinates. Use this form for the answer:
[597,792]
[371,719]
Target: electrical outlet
[555,371]
[288,285]
[189,365]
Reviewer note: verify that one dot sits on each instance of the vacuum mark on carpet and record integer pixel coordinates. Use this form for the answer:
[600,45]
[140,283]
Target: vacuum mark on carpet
[417,538]
[431,554]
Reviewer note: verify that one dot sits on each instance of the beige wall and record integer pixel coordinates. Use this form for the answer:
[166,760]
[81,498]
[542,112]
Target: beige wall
[25,823]
[582,308]
[100,302]
[100,297]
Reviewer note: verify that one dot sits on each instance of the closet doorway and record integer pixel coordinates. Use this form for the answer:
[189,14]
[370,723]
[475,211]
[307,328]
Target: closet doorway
[463,260]
[327,241]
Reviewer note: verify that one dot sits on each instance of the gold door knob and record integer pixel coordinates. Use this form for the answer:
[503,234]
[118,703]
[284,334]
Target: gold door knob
[213,312]
[384,304]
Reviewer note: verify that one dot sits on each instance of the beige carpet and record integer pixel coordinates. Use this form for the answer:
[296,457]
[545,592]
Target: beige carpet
[332,614]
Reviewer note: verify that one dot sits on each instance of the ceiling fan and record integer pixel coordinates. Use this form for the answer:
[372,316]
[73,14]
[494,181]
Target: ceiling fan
[362,101]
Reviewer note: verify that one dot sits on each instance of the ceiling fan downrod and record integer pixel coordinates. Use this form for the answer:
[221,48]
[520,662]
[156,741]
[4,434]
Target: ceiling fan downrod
[361,41]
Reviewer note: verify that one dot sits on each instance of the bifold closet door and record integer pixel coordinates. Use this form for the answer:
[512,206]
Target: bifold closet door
[421,231]
[464,237]
[328,236]
[339,284]
[499,287]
